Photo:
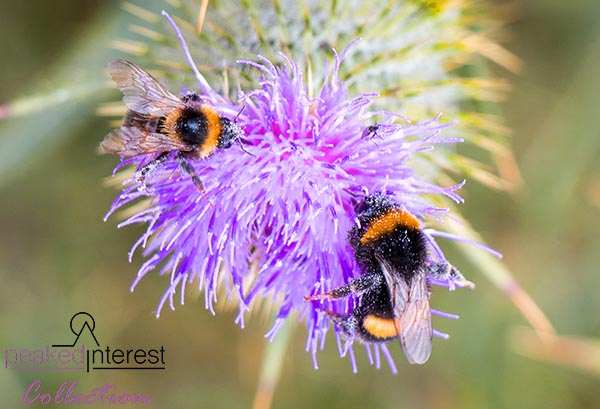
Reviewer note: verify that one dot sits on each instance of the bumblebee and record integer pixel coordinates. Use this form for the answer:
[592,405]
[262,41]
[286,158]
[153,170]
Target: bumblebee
[391,250]
[158,122]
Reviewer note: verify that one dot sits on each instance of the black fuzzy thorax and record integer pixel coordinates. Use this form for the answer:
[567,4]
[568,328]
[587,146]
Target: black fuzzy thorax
[192,126]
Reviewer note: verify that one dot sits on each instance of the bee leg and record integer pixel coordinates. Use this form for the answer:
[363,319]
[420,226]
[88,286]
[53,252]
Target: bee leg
[143,173]
[358,285]
[445,271]
[347,324]
[186,166]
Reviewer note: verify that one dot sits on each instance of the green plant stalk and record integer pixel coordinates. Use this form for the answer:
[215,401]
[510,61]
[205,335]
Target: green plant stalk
[272,366]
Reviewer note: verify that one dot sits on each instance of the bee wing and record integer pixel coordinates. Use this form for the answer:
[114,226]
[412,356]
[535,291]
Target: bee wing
[416,335]
[141,92]
[412,315]
[129,141]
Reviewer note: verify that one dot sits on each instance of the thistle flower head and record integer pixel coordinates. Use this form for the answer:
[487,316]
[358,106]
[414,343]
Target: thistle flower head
[283,202]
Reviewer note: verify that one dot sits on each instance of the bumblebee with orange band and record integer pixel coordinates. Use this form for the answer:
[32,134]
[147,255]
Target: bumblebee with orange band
[391,250]
[159,122]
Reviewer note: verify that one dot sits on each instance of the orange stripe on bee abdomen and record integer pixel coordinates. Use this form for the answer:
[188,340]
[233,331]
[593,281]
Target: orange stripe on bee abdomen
[378,327]
[388,223]
[214,131]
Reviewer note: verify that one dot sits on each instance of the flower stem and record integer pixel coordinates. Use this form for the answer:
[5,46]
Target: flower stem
[272,365]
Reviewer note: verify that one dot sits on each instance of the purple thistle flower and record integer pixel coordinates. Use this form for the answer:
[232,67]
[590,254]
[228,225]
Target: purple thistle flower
[283,204]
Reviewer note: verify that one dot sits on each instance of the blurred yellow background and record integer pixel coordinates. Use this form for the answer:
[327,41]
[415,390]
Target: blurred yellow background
[58,257]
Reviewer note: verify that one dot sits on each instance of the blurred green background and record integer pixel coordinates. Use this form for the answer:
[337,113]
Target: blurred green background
[58,257]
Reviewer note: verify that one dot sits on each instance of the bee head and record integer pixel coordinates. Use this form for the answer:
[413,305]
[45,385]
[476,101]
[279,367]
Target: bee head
[191,98]
[230,132]
[369,205]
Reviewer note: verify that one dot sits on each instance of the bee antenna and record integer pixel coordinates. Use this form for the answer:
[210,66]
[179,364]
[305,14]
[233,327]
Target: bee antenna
[239,136]
[239,113]
[239,139]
